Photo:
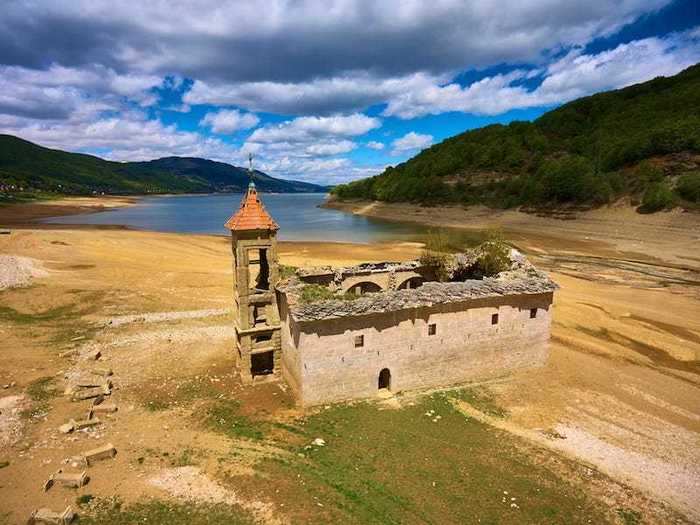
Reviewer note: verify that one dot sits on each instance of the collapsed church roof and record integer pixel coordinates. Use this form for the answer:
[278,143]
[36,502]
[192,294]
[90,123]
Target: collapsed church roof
[252,214]
[521,279]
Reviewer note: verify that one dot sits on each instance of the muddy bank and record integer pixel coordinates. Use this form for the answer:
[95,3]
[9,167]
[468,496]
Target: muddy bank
[672,237]
[30,214]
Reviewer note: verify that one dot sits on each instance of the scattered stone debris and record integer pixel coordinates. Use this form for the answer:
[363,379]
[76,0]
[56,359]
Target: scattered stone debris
[96,454]
[88,393]
[19,271]
[101,371]
[107,408]
[92,355]
[67,479]
[157,317]
[69,353]
[49,517]
[78,425]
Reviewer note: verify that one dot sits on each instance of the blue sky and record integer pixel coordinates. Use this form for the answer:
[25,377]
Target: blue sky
[319,91]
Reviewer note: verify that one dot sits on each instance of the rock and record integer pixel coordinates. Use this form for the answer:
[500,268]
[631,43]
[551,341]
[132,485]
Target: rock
[93,355]
[67,479]
[87,393]
[67,428]
[50,517]
[96,454]
[319,442]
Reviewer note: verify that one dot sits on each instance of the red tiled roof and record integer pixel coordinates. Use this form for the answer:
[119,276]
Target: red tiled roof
[251,215]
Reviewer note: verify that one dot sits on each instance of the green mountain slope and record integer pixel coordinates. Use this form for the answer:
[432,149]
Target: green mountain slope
[642,141]
[35,168]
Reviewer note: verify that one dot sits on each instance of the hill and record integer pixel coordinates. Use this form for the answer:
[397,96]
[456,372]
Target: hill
[35,168]
[642,141]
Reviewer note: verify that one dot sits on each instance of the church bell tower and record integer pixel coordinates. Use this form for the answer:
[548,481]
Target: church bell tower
[255,274]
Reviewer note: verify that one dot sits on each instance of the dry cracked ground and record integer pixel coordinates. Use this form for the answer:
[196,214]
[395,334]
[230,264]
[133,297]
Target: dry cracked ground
[607,432]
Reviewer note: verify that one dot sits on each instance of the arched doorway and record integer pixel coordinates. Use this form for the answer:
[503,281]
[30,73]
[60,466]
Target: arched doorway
[384,379]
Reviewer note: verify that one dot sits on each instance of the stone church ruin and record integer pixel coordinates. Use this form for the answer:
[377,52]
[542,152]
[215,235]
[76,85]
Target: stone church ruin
[337,334]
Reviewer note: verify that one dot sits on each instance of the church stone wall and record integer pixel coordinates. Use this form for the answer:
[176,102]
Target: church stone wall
[321,355]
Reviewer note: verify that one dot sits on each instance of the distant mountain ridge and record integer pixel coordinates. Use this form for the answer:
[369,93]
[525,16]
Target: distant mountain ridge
[641,142]
[35,168]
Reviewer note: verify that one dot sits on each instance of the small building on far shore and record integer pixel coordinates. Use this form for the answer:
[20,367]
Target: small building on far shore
[336,334]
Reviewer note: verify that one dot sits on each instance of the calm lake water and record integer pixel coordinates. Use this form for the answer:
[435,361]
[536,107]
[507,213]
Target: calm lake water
[298,215]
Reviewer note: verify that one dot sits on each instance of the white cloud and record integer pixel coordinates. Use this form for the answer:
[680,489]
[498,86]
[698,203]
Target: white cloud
[411,141]
[299,41]
[373,144]
[350,92]
[229,120]
[59,91]
[570,77]
[305,129]
[130,136]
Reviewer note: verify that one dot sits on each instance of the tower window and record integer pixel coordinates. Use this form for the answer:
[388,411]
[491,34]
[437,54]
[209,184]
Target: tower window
[533,313]
[432,329]
[494,319]
[359,341]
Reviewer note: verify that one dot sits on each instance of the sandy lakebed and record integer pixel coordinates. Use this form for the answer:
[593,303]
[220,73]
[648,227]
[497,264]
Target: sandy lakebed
[614,415]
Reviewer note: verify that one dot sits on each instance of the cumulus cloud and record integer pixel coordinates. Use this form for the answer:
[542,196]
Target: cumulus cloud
[350,92]
[304,129]
[229,120]
[299,41]
[373,144]
[410,142]
[572,76]
[58,92]
[129,136]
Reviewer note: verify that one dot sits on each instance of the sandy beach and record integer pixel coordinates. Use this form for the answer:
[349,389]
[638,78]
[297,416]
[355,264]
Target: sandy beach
[622,384]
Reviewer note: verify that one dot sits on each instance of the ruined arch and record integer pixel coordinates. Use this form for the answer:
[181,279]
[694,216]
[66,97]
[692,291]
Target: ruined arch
[412,282]
[363,288]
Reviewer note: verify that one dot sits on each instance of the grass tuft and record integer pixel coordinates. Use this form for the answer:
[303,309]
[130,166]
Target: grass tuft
[160,512]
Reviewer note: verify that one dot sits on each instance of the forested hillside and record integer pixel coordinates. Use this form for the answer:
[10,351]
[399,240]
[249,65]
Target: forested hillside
[642,141]
[38,169]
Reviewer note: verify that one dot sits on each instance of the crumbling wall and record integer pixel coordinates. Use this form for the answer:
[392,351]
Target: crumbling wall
[466,346]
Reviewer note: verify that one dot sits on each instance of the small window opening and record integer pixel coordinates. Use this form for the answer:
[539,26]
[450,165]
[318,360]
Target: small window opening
[258,269]
[262,364]
[533,313]
[359,341]
[261,339]
[494,319]
[432,329]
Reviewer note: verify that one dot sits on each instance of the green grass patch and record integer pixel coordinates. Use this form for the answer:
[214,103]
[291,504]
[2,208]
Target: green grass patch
[155,512]
[629,516]
[41,391]
[479,398]
[287,271]
[403,466]
[312,293]
[223,416]
[185,458]
[188,392]
[59,313]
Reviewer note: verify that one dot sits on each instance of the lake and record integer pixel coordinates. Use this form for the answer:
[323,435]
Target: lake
[298,215]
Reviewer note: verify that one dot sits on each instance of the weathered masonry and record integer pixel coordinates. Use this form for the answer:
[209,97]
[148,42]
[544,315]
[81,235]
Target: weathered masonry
[387,326]
[255,275]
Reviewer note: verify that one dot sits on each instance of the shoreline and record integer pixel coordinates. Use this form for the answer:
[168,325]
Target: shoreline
[31,214]
[613,231]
